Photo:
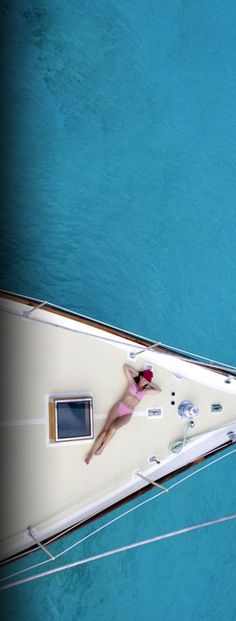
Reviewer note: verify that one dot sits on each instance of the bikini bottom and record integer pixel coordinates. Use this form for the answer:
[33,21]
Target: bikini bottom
[123,409]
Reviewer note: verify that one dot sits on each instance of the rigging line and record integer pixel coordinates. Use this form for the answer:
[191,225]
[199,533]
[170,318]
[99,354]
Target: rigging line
[144,502]
[94,532]
[125,342]
[190,353]
[131,546]
[73,527]
[129,343]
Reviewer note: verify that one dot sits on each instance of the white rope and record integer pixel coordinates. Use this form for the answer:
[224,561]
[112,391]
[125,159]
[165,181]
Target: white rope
[131,546]
[97,530]
[128,343]
[188,353]
[126,340]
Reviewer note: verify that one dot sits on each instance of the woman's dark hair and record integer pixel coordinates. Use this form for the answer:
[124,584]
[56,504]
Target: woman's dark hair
[137,377]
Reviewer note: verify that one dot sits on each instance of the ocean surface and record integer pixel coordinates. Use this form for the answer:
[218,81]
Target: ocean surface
[189,576]
[119,159]
[119,194]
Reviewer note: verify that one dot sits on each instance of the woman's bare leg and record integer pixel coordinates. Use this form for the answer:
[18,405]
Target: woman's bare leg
[113,423]
[117,424]
[112,416]
[98,442]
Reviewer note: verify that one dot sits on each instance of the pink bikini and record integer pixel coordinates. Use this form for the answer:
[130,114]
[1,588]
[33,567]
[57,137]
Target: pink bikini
[123,409]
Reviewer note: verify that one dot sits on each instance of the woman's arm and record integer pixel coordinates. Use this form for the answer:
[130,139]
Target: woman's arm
[154,387]
[130,372]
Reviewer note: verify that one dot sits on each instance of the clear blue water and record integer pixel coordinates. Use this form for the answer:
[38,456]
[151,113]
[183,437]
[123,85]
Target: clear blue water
[119,165]
[190,576]
[119,192]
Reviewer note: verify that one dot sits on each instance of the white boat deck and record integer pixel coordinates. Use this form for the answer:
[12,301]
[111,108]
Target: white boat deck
[49,486]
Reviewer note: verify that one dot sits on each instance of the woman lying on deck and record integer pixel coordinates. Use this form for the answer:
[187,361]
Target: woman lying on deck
[139,382]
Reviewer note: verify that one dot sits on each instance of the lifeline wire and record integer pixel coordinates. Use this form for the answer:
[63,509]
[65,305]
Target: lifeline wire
[94,532]
[213,363]
[138,544]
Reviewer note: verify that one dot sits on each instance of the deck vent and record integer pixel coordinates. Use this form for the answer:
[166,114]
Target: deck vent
[70,418]
[155,412]
[216,407]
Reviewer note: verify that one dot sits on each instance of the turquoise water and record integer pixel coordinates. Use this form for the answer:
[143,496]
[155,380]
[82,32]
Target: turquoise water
[119,191]
[119,168]
[189,576]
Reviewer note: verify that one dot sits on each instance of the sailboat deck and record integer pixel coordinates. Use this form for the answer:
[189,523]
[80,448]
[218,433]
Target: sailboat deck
[49,483]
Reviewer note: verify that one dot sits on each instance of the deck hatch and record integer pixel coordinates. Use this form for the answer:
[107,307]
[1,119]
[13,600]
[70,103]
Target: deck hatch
[70,418]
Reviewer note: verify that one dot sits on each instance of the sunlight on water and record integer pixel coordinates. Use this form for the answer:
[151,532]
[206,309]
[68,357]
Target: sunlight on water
[119,193]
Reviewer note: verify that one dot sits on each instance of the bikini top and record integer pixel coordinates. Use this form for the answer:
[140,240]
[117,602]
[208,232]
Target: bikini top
[133,389]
